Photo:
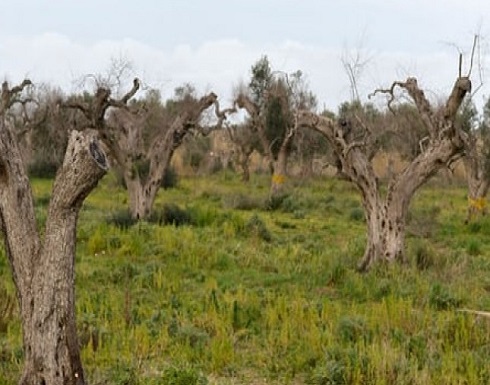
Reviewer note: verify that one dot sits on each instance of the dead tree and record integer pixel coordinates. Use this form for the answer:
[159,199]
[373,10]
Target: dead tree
[144,162]
[241,138]
[43,267]
[386,214]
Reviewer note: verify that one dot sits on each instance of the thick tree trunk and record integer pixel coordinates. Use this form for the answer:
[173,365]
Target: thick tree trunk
[386,218]
[44,275]
[385,235]
[279,174]
[141,197]
[143,192]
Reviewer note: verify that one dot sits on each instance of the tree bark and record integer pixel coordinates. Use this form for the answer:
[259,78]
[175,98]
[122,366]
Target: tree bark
[143,190]
[44,271]
[386,217]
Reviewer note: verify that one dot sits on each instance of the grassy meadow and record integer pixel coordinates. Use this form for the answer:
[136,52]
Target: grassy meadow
[234,291]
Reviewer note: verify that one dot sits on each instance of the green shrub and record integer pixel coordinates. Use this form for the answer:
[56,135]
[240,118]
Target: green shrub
[122,219]
[356,214]
[256,227]
[275,202]
[172,214]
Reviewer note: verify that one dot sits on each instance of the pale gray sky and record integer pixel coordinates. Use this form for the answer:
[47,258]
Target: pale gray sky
[213,43]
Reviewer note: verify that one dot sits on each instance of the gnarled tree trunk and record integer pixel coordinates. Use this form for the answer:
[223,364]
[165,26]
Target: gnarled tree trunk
[44,270]
[386,217]
[126,148]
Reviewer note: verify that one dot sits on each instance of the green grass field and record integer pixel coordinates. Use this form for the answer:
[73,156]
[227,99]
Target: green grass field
[241,294]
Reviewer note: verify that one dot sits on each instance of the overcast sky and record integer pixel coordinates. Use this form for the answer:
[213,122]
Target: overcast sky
[212,44]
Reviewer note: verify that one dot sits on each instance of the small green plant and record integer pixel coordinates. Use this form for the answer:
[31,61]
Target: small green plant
[256,227]
[441,298]
[275,202]
[473,247]
[122,219]
[356,214]
[182,376]
[424,256]
[172,214]
[352,329]
[124,374]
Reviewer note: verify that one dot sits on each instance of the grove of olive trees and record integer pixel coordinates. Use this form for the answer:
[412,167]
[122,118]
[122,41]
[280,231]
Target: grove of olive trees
[139,136]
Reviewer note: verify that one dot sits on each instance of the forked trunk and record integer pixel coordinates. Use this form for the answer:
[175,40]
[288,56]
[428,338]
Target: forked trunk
[44,272]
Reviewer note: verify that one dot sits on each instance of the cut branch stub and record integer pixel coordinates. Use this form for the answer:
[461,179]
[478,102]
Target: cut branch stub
[8,96]
[461,87]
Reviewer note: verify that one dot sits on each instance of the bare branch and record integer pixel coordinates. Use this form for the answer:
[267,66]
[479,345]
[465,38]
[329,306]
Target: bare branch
[124,100]
[223,115]
[82,107]
[460,65]
[20,87]
[475,42]
[418,96]
[8,96]
[389,91]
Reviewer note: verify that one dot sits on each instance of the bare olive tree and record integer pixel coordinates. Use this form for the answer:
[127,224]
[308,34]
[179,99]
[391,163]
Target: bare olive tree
[144,142]
[242,140]
[43,267]
[386,213]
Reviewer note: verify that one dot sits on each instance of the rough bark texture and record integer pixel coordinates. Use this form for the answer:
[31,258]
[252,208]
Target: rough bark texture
[386,216]
[143,190]
[43,271]
[477,178]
